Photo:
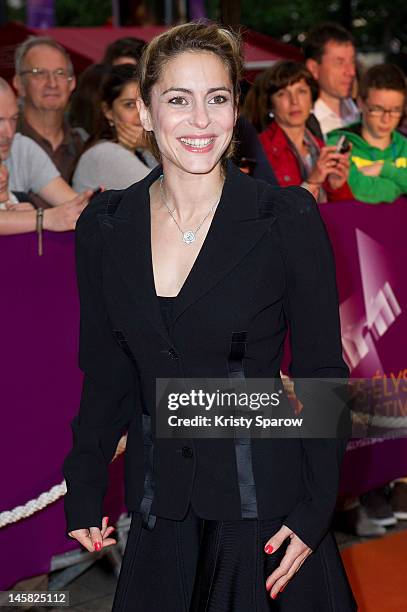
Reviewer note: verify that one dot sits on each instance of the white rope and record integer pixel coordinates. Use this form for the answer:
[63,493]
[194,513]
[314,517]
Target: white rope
[390,422]
[34,505]
[49,497]
[395,423]
[45,499]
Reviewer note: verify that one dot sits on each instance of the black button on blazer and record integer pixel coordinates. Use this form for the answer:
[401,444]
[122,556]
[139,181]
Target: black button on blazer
[266,265]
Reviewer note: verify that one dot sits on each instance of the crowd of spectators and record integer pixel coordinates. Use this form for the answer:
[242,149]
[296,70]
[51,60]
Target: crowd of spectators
[293,151]
[324,124]
[326,129]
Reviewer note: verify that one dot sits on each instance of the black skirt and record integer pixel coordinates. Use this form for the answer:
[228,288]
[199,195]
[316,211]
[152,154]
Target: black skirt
[196,565]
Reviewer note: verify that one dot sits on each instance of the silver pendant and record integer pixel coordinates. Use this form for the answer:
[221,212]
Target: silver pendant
[188,237]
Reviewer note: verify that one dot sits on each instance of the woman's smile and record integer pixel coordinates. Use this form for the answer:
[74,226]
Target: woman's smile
[197,144]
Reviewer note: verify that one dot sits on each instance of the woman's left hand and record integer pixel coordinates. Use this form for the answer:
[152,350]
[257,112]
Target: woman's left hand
[295,555]
[338,177]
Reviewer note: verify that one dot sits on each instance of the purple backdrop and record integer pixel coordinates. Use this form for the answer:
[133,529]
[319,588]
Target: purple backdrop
[40,392]
[370,252]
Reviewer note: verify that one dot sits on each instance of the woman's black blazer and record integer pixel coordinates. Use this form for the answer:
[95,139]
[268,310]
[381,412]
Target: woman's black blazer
[266,265]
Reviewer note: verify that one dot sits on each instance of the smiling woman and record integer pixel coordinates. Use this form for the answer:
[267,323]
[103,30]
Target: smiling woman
[197,119]
[196,272]
[220,47]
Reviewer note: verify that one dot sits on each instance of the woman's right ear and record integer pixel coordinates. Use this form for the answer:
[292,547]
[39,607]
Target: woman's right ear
[144,114]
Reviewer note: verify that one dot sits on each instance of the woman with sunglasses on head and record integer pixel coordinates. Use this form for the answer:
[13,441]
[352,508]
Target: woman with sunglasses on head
[201,280]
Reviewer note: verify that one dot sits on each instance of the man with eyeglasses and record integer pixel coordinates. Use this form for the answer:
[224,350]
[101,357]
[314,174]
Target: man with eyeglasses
[25,167]
[44,81]
[378,170]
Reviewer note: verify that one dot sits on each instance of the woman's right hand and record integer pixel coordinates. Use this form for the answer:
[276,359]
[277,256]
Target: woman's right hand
[129,136]
[63,218]
[94,539]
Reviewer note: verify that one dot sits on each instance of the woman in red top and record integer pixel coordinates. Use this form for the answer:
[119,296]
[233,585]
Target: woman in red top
[295,154]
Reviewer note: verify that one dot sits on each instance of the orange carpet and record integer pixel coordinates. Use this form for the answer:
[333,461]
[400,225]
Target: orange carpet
[377,571]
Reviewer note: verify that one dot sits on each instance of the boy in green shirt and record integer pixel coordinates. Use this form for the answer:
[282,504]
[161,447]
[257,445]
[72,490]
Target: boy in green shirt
[378,170]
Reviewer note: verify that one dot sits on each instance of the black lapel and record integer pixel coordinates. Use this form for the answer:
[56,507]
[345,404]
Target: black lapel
[128,235]
[235,229]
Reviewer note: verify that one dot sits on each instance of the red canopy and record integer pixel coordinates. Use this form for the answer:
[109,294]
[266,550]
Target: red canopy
[87,45]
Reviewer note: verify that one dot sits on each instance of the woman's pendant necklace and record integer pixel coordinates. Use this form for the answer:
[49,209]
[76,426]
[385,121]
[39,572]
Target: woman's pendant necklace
[190,235]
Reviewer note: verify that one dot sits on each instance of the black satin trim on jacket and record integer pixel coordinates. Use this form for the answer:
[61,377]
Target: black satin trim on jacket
[243,446]
[148,520]
[237,352]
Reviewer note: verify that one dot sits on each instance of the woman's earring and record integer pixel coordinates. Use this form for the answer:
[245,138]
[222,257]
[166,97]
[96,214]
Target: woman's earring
[111,123]
[271,114]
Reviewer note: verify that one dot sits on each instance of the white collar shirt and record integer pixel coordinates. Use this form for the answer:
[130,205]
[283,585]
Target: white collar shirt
[329,120]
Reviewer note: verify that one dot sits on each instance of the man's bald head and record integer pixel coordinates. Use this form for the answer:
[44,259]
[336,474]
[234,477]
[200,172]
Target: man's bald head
[8,118]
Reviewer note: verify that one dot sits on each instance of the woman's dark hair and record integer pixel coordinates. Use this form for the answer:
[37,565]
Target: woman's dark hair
[85,99]
[124,47]
[288,72]
[283,73]
[114,81]
[256,104]
[383,76]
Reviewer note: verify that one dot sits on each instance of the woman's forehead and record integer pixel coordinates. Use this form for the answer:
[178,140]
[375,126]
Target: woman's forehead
[300,83]
[194,67]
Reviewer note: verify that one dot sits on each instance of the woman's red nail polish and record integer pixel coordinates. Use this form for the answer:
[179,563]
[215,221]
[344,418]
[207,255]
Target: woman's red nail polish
[274,596]
[268,549]
[97,546]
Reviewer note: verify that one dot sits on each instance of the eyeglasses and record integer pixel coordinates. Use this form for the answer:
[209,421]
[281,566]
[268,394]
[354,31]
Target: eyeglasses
[42,74]
[379,111]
